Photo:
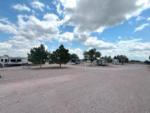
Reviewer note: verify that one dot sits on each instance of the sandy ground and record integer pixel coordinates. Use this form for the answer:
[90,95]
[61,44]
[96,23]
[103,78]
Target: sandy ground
[76,89]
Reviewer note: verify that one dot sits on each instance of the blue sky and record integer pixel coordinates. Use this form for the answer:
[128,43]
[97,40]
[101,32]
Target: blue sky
[112,27]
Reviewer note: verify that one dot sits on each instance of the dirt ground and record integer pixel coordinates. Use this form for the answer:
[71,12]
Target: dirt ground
[76,89]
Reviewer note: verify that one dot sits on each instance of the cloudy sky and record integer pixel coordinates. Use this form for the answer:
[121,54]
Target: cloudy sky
[111,26]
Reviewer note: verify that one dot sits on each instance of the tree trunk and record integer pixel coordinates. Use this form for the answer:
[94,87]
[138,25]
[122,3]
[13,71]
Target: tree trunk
[40,65]
[60,65]
[122,62]
[91,63]
[40,62]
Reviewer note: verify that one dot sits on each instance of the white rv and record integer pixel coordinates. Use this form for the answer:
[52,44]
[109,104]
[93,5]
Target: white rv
[12,61]
[115,62]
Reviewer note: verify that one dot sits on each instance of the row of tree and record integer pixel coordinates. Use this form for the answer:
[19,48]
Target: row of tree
[93,55]
[122,58]
[39,55]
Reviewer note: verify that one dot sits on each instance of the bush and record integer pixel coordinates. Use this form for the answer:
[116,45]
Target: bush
[147,62]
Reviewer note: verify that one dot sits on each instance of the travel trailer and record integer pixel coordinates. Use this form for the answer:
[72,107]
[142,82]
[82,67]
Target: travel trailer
[12,61]
[102,62]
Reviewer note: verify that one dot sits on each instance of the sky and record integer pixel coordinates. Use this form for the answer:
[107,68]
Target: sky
[113,27]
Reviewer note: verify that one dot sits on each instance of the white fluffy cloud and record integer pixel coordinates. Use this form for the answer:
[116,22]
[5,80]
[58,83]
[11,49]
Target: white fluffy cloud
[96,14]
[148,19]
[17,46]
[6,26]
[29,31]
[100,44]
[66,37]
[91,41]
[69,4]
[21,7]
[133,48]
[77,51]
[139,18]
[141,27]
[32,27]
[38,5]
[4,45]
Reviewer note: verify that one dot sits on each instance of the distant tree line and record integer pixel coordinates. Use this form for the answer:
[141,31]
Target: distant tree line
[122,59]
[39,55]
[93,54]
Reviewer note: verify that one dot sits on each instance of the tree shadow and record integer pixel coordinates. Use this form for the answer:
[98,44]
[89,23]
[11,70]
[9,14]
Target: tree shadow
[148,67]
[52,68]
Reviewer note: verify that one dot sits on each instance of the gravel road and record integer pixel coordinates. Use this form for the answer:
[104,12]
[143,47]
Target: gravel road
[76,89]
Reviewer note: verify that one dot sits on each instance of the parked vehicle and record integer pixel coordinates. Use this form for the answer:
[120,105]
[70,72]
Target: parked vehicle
[12,61]
[102,62]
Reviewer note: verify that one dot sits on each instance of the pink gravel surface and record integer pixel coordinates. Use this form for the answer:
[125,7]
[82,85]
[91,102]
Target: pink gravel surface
[76,89]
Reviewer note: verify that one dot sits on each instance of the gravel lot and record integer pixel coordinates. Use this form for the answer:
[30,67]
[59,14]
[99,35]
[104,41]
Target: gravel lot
[76,89]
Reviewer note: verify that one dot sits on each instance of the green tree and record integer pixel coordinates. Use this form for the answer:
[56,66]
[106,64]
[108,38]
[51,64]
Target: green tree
[97,54]
[50,58]
[122,59]
[86,56]
[60,56]
[108,59]
[38,55]
[74,58]
[92,55]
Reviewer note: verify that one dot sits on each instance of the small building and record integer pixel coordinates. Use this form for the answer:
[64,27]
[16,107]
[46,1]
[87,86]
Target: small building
[12,61]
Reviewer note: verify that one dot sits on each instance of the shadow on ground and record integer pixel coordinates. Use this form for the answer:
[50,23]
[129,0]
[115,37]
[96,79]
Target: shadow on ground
[53,67]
